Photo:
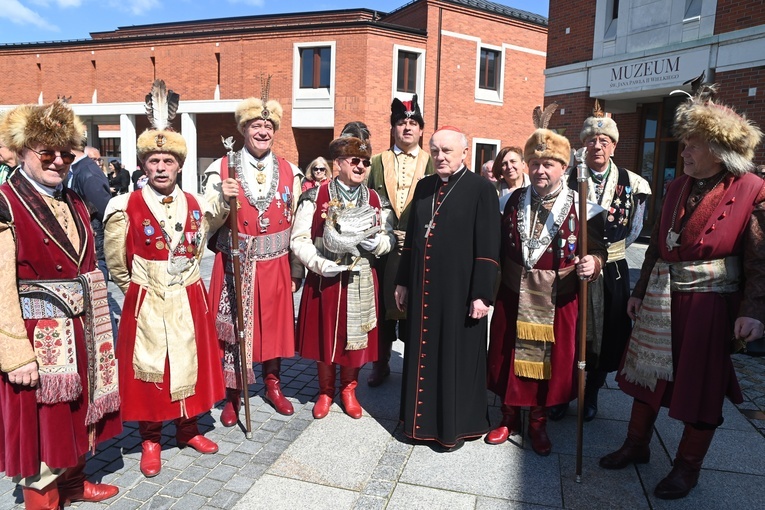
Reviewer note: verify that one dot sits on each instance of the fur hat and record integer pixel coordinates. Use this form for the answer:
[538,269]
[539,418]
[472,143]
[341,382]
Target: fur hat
[599,124]
[350,147]
[53,125]
[166,140]
[544,143]
[253,108]
[734,136]
[406,110]
[161,106]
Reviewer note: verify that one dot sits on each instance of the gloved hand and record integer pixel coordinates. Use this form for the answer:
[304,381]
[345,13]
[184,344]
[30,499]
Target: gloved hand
[332,269]
[370,243]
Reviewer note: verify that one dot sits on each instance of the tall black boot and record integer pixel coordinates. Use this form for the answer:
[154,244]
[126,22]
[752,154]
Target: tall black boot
[595,380]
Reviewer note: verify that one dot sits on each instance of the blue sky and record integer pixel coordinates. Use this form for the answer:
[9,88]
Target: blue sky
[60,20]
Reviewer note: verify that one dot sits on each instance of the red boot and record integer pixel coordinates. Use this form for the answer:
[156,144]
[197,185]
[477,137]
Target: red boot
[636,448]
[510,424]
[349,379]
[685,470]
[72,487]
[151,450]
[43,499]
[230,414]
[326,389]
[540,442]
[273,389]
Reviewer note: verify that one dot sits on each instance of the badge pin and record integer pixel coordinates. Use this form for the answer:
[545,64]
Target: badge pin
[159,245]
[146,222]
[148,230]
[196,215]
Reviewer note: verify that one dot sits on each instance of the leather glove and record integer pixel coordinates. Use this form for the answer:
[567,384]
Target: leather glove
[370,243]
[330,270]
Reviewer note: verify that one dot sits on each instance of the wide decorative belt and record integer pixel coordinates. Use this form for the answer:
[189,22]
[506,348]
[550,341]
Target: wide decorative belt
[617,251]
[41,299]
[718,275]
[263,247]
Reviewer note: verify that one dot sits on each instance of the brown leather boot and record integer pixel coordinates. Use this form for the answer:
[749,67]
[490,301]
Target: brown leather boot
[685,470]
[636,448]
[349,379]
[510,424]
[326,373]
[230,414]
[42,499]
[273,389]
[540,442]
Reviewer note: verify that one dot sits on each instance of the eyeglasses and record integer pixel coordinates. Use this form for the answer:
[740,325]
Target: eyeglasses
[47,156]
[604,142]
[319,169]
[356,161]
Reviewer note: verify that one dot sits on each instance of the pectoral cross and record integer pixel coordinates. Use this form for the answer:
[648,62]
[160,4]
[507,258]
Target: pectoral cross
[672,240]
[429,226]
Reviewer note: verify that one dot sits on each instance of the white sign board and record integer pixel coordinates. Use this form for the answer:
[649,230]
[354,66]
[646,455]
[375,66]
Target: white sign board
[648,73]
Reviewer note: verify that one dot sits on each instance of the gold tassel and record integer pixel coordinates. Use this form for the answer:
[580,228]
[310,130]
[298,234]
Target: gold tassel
[532,369]
[535,332]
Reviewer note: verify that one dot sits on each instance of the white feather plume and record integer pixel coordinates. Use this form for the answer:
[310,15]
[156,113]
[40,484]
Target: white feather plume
[161,105]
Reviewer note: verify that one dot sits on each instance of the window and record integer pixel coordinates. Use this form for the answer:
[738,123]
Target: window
[406,80]
[484,150]
[488,73]
[692,9]
[315,67]
[612,18]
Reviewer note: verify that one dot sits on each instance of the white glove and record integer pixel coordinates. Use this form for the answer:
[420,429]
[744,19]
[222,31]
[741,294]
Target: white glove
[370,243]
[332,269]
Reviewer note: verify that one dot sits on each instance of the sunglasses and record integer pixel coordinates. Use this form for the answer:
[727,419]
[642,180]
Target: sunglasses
[356,161]
[47,157]
[319,169]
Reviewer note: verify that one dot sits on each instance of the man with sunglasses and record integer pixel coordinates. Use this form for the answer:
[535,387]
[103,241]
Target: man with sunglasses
[58,390]
[624,195]
[393,175]
[340,229]
[268,190]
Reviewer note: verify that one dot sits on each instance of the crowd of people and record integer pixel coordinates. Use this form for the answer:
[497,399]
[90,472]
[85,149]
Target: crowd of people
[407,244]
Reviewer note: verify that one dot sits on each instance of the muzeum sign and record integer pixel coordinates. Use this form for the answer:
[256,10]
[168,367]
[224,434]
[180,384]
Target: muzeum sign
[647,73]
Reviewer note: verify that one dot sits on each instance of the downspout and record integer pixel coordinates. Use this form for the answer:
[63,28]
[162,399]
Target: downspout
[438,68]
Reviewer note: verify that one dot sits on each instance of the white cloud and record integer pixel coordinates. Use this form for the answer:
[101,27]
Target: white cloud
[17,13]
[60,3]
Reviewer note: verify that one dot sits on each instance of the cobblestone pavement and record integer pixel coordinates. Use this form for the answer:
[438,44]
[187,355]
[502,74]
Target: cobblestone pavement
[341,463]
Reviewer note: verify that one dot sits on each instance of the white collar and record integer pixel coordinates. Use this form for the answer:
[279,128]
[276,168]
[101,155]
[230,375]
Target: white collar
[41,188]
[160,196]
[414,152]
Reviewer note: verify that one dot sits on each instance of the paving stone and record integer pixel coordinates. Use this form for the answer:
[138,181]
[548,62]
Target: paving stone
[272,426]
[222,472]
[123,503]
[159,503]
[236,459]
[207,487]
[412,497]
[190,502]
[179,462]
[193,473]
[144,491]
[379,488]
[274,492]
[176,488]
[369,503]
[224,499]
[239,484]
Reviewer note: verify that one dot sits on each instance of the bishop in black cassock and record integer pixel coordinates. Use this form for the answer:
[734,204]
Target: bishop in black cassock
[446,281]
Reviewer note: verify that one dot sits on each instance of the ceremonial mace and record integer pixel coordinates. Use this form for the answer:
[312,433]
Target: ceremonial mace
[228,143]
[581,178]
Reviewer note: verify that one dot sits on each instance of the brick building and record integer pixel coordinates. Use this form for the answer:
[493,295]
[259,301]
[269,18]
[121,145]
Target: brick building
[631,54]
[474,64]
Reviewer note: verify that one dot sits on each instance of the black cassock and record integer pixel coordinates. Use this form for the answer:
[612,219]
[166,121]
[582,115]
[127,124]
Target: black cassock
[443,395]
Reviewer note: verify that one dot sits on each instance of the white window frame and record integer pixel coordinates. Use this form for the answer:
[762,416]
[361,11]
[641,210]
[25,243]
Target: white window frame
[483,141]
[484,95]
[692,10]
[322,94]
[419,85]
[612,23]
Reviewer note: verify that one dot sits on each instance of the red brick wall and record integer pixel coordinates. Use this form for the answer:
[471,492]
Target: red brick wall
[734,90]
[579,17]
[738,14]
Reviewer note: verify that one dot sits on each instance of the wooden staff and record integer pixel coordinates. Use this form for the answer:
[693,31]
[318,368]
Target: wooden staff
[234,248]
[583,298]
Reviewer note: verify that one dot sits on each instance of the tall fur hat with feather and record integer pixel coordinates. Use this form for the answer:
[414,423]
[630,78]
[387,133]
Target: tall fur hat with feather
[599,124]
[730,136]
[406,110]
[259,108]
[544,143]
[53,125]
[161,106]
